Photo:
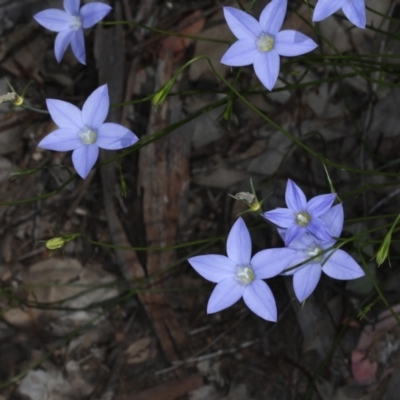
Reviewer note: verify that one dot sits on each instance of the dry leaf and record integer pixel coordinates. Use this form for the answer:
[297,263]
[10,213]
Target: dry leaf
[176,44]
[139,351]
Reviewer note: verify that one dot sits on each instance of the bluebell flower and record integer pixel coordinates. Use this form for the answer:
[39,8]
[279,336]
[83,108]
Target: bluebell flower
[354,10]
[334,262]
[70,24]
[239,275]
[261,43]
[302,216]
[85,131]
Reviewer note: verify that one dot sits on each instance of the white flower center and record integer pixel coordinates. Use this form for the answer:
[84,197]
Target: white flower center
[244,274]
[88,136]
[302,218]
[76,22]
[316,252]
[265,42]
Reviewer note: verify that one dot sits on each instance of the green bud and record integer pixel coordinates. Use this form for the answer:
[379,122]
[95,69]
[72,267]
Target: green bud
[60,241]
[55,243]
[162,94]
[383,251]
[19,101]
[228,111]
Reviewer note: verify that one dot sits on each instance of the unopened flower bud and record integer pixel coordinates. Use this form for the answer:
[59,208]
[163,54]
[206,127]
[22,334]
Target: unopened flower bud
[55,243]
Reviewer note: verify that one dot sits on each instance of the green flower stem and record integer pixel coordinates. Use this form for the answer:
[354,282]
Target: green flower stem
[164,32]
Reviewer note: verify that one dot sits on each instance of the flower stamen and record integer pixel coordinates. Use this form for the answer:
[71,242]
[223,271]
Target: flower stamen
[76,22]
[302,218]
[315,252]
[244,274]
[88,136]
[265,43]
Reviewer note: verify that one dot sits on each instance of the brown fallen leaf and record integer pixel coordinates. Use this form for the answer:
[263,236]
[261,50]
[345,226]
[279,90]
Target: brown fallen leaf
[194,24]
[378,350]
[138,351]
[167,391]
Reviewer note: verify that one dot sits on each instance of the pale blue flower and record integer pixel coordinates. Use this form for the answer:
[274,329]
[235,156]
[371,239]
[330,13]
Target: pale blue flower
[70,24]
[85,131]
[354,10]
[335,263]
[261,43]
[302,216]
[239,275]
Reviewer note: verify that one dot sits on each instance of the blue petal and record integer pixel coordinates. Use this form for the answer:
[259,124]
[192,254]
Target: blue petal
[53,19]
[242,25]
[333,219]
[325,8]
[299,258]
[294,197]
[318,228]
[319,205]
[271,262]
[78,46]
[64,139]
[271,18]
[238,246]
[240,53]
[355,12]
[65,115]
[305,280]
[282,217]
[294,232]
[61,43]
[92,13]
[266,67]
[291,43]
[281,233]
[225,294]
[213,267]
[111,136]
[259,298]
[96,107]
[84,158]
[303,242]
[72,6]
[341,265]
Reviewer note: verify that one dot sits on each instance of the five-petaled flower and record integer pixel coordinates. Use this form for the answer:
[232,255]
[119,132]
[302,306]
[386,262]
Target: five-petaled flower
[354,10]
[322,256]
[84,131]
[302,216]
[261,43]
[70,24]
[240,275]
